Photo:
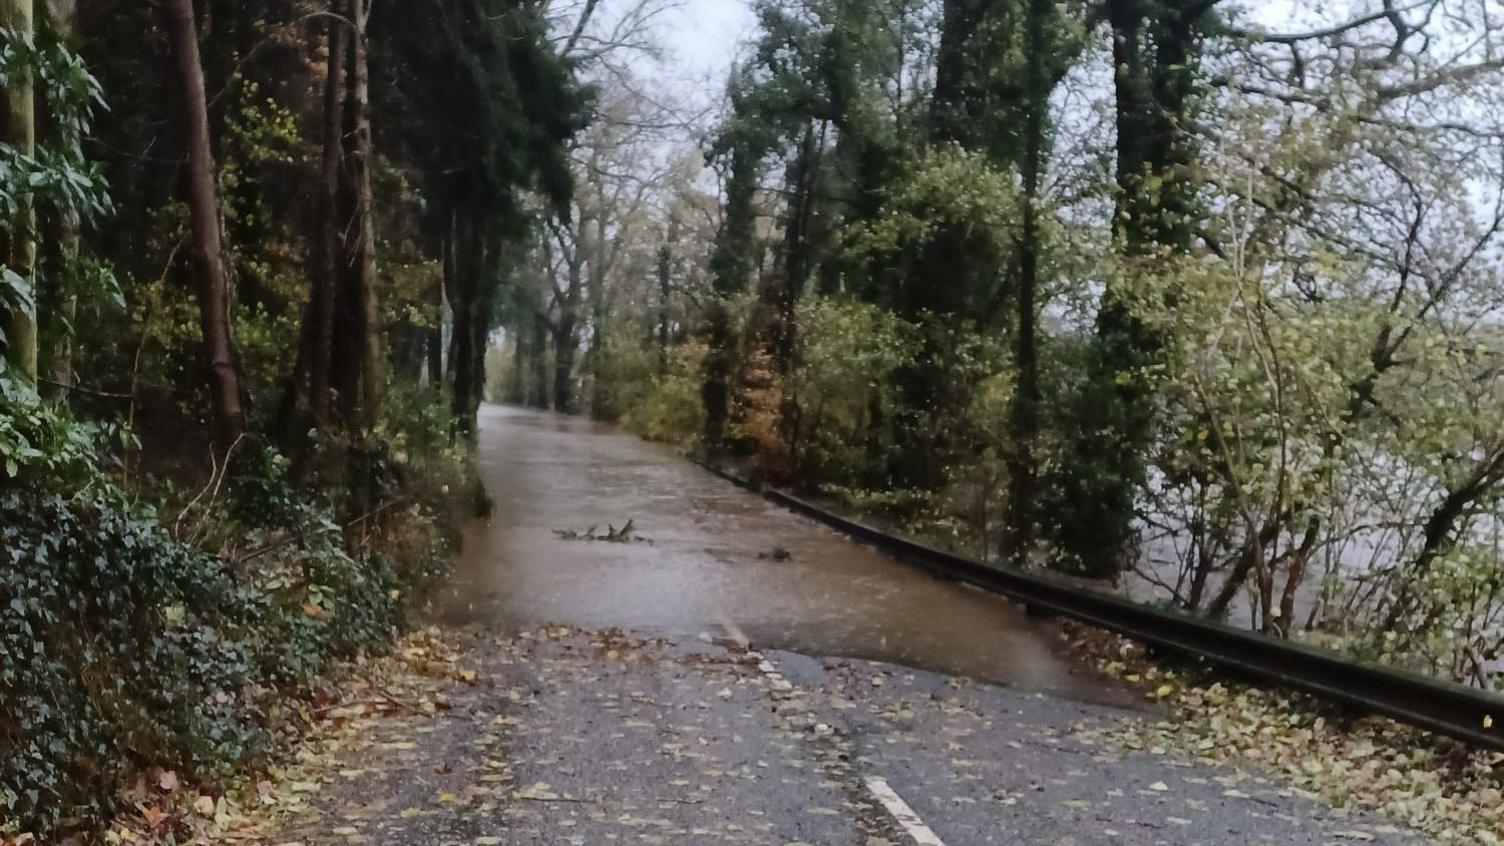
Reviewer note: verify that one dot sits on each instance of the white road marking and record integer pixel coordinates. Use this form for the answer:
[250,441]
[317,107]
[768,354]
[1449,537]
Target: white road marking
[878,787]
[910,821]
[764,666]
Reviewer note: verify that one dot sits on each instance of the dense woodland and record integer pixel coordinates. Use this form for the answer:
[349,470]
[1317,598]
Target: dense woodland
[251,256]
[1193,295]
[1175,293]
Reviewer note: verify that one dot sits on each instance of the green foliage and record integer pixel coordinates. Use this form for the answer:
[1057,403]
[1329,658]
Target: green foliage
[54,179]
[669,407]
[841,388]
[121,645]
[42,441]
[949,190]
[108,652]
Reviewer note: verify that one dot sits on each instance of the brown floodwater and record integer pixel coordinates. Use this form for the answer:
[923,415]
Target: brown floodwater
[708,554]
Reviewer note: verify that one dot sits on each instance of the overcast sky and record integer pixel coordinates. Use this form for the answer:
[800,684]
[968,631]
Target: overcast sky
[704,34]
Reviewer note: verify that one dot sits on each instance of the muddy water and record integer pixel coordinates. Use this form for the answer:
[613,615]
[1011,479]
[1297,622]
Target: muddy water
[710,554]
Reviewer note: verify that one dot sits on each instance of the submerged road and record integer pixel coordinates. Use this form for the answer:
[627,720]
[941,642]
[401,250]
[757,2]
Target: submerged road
[733,673]
[706,554]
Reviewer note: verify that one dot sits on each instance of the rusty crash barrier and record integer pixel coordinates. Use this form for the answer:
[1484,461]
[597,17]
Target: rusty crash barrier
[1464,713]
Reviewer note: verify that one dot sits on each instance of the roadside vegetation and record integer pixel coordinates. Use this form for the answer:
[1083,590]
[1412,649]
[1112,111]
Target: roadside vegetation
[248,252]
[1198,297]
[1170,293]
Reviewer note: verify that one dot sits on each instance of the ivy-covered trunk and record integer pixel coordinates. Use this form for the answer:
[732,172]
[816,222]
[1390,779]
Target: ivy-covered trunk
[1023,428]
[1156,50]
[730,268]
[18,249]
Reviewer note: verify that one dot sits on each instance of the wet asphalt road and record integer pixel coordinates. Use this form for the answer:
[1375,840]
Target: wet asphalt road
[705,553]
[618,700]
[573,737]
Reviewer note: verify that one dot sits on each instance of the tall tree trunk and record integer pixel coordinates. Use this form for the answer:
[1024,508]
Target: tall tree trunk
[203,212]
[480,329]
[451,292]
[461,289]
[61,232]
[566,341]
[62,235]
[731,264]
[435,338]
[566,331]
[18,315]
[665,280]
[781,293]
[599,395]
[517,385]
[1155,51]
[539,398]
[372,376]
[1024,414]
[327,245]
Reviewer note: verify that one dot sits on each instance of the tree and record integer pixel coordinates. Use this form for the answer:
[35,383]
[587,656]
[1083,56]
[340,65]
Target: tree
[498,128]
[326,247]
[201,195]
[730,271]
[18,317]
[1156,52]
[1049,51]
[364,259]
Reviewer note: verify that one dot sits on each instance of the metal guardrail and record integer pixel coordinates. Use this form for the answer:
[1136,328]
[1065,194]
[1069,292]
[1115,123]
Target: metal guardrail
[1461,712]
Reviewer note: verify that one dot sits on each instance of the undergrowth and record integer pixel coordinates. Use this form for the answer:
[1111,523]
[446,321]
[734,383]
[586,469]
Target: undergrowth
[146,632]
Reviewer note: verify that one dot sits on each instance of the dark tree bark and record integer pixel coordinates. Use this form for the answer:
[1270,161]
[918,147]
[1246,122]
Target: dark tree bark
[517,385]
[600,402]
[539,382]
[566,329]
[372,370]
[203,210]
[783,295]
[18,317]
[61,239]
[462,306]
[1024,414]
[731,264]
[1155,50]
[327,246]
[434,339]
[665,282]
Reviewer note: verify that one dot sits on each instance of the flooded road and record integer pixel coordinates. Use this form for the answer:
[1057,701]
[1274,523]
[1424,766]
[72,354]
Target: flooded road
[707,555]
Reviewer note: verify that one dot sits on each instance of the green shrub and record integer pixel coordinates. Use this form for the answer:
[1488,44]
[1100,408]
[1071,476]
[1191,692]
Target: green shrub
[669,408]
[119,646]
[122,646]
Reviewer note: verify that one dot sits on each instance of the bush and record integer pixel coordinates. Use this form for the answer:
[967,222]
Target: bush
[123,646]
[120,645]
[669,408]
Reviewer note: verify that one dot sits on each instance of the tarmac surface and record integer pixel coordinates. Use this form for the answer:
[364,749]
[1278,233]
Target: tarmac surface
[578,737]
[726,672]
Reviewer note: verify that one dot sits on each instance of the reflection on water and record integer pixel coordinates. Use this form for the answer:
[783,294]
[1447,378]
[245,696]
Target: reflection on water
[711,553]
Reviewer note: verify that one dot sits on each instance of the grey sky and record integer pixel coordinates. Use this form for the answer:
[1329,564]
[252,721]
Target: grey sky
[704,35]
